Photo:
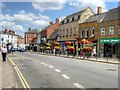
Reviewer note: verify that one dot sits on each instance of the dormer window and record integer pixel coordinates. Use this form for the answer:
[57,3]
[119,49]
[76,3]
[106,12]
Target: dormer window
[70,19]
[65,21]
[76,18]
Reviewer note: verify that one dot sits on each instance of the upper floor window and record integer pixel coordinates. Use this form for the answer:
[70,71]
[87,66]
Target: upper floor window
[76,18]
[70,19]
[92,32]
[70,31]
[111,30]
[63,33]
[81,33]
[66,32]
[75,31]
[102,31]
[119,29]
[86,32]
[65,21]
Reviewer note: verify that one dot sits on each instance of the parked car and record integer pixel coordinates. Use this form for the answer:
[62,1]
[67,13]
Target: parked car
[13,49]
[22,50]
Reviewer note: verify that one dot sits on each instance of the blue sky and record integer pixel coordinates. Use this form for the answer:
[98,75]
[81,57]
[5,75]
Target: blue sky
[19,16]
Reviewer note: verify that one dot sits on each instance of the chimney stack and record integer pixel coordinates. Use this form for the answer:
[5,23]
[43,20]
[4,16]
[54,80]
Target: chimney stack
[50,23]
[57,20]
[99,10]
[29,29]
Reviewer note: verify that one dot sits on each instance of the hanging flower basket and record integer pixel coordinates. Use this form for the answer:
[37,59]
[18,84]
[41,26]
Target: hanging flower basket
[84,41]
[87,49]
[57,47]
[71,48]
[68,43]
[41,48]
[47,44]
[56,43]
[48,48]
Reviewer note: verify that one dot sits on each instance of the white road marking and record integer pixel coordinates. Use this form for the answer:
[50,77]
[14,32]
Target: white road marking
[78,85]
[57,70]
[43,63]
[65,76]
[36,61]
[50,66]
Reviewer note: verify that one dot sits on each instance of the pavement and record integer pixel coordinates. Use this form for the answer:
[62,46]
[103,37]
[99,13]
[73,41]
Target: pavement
[102,60]
[7,79]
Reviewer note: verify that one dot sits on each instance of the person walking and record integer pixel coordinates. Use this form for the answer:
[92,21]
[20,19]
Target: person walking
[4,51]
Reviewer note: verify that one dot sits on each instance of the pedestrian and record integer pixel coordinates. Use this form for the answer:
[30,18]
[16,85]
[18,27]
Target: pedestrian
[4,51]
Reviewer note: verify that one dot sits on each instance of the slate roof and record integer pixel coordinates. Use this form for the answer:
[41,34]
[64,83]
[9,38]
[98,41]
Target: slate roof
[54,34]
[112,15]
[75,14]
[33,31]
[96,17]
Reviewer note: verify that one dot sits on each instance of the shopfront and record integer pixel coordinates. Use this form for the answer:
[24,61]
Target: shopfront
[110,47]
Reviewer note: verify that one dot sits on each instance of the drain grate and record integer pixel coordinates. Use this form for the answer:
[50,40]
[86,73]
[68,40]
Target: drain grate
[111,69]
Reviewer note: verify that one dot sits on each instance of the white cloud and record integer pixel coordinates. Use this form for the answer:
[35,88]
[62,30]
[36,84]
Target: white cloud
[11,25]
[82,4]
[49,5]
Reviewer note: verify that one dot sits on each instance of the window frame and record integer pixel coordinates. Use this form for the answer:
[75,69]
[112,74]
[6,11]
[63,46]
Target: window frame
[86,32]
[111,30]
[118,29]
[101,30]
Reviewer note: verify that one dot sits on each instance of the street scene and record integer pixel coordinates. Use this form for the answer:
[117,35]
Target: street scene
[60,45]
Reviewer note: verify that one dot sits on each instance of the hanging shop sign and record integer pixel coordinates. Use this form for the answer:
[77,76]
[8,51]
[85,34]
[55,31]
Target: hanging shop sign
[110,40]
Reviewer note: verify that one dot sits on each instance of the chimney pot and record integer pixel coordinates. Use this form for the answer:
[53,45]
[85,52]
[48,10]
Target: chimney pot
[99,10]
[50,23]
[57,20]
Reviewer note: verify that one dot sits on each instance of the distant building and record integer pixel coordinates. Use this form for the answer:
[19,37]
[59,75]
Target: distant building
[8,38]
[109,34]
[31,39]
[70,26]
[20,42]
[89,30]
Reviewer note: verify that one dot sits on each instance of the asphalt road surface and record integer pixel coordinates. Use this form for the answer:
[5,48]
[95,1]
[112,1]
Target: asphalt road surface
[43,71]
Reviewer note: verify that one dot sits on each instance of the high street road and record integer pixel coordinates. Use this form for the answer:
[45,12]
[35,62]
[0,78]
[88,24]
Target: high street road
[43,71]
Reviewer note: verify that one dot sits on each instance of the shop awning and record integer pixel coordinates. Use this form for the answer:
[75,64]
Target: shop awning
[84,41]
[56,43]
[57,47]
[47,44]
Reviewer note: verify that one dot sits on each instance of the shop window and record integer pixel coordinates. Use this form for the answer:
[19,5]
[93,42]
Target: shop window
[70,31]
[86,32]
[102,31]
[119,29]
[92,32]
[111,30]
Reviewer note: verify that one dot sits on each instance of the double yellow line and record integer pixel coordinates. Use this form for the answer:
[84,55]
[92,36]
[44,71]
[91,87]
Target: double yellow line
[21,77]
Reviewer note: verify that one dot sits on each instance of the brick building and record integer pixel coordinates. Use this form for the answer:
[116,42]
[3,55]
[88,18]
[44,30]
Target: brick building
[88,30]
[31,39]
[109,34]
[20,42]
[70,26]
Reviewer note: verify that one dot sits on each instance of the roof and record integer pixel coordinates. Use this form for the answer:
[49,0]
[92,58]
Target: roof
[76,14]
[112,15]
[33,31]
[54,34]
[96,17]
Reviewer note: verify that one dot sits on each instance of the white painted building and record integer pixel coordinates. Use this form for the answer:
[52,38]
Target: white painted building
[8,39]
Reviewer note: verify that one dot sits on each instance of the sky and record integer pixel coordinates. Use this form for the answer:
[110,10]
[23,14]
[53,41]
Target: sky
[19,16]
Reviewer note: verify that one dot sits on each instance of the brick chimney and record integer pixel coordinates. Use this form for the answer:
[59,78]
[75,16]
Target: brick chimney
[50,23]
[29,29]
[6,31]
[57,20]
[99,10]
